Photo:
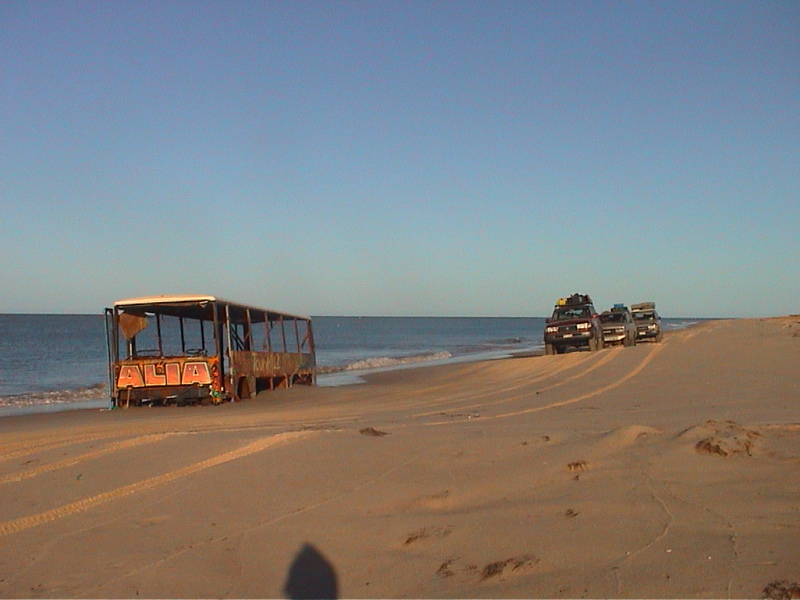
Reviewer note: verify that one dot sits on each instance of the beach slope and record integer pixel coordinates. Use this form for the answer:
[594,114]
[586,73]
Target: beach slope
[662,470]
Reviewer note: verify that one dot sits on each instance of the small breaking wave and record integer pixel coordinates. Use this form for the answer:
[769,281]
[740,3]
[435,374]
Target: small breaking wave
[93,392]
[384,362]
[674,324]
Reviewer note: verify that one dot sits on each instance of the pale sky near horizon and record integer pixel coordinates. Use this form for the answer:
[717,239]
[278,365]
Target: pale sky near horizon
[401,158]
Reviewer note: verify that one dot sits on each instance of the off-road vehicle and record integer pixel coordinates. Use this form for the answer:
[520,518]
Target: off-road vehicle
[618,326]
[574,324]
[648,323]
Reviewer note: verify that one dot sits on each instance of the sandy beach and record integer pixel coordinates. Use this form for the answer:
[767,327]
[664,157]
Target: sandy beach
[666,470]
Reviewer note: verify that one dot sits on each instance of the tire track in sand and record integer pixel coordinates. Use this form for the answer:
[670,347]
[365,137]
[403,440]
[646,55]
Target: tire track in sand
[600,362]
[605,358]
[68,462]
[13,451]
[17,525]
[601,390]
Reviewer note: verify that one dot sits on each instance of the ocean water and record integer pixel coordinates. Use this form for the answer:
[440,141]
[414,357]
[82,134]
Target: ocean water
[58,362]
[52,361]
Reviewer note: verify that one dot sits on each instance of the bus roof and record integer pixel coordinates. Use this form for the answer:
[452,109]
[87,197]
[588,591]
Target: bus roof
[198,306]
[165,299]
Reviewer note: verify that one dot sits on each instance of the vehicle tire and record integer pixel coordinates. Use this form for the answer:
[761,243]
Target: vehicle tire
[593,344]
[601,343]
[549,349]
[243,389]
[659,336]
[627,341]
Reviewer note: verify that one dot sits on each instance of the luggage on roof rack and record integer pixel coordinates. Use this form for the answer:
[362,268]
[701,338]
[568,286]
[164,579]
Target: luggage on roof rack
[644,306]
[579,299]
[574,300]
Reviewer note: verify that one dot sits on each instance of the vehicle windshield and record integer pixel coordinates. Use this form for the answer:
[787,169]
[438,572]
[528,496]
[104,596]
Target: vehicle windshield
[572,312]
[644,316]
[612,318]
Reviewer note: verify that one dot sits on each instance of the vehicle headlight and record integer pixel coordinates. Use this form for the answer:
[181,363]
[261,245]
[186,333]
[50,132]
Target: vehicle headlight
[551,329]
[651,326]
[584,326]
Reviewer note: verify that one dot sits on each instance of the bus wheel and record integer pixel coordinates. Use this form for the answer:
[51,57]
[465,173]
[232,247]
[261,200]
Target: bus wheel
[243,389]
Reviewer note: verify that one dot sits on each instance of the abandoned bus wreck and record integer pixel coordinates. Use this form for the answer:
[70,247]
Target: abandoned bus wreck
[199,349]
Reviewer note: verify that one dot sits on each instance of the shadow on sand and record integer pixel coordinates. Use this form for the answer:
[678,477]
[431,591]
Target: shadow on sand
[311,576]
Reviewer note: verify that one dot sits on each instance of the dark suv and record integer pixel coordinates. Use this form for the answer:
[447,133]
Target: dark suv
[574,324]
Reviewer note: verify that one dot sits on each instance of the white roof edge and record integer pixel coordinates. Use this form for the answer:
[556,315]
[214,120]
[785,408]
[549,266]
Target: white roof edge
[165,299]
[171,299]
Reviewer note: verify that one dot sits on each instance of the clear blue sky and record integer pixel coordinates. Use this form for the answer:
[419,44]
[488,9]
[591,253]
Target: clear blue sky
[401,158]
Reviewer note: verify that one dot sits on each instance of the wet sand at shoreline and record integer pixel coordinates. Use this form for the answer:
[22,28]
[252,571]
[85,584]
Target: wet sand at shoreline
[663,470]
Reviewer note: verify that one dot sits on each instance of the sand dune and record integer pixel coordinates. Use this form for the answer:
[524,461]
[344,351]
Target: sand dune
[663,470]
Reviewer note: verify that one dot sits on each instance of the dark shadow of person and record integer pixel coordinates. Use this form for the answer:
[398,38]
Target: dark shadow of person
[311,576]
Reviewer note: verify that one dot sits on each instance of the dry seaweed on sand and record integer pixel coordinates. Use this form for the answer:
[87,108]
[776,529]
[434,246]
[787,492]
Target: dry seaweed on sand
[782,590]
[372,432]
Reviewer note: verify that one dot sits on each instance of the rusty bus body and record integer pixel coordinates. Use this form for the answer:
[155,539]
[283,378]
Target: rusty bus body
[199,349]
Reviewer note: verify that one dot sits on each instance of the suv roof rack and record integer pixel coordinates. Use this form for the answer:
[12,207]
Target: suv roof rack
[644,306]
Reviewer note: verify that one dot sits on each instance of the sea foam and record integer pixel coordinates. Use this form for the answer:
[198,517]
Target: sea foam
[94,392]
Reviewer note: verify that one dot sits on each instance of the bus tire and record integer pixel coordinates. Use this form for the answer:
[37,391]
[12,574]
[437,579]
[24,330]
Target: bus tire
[243,389]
